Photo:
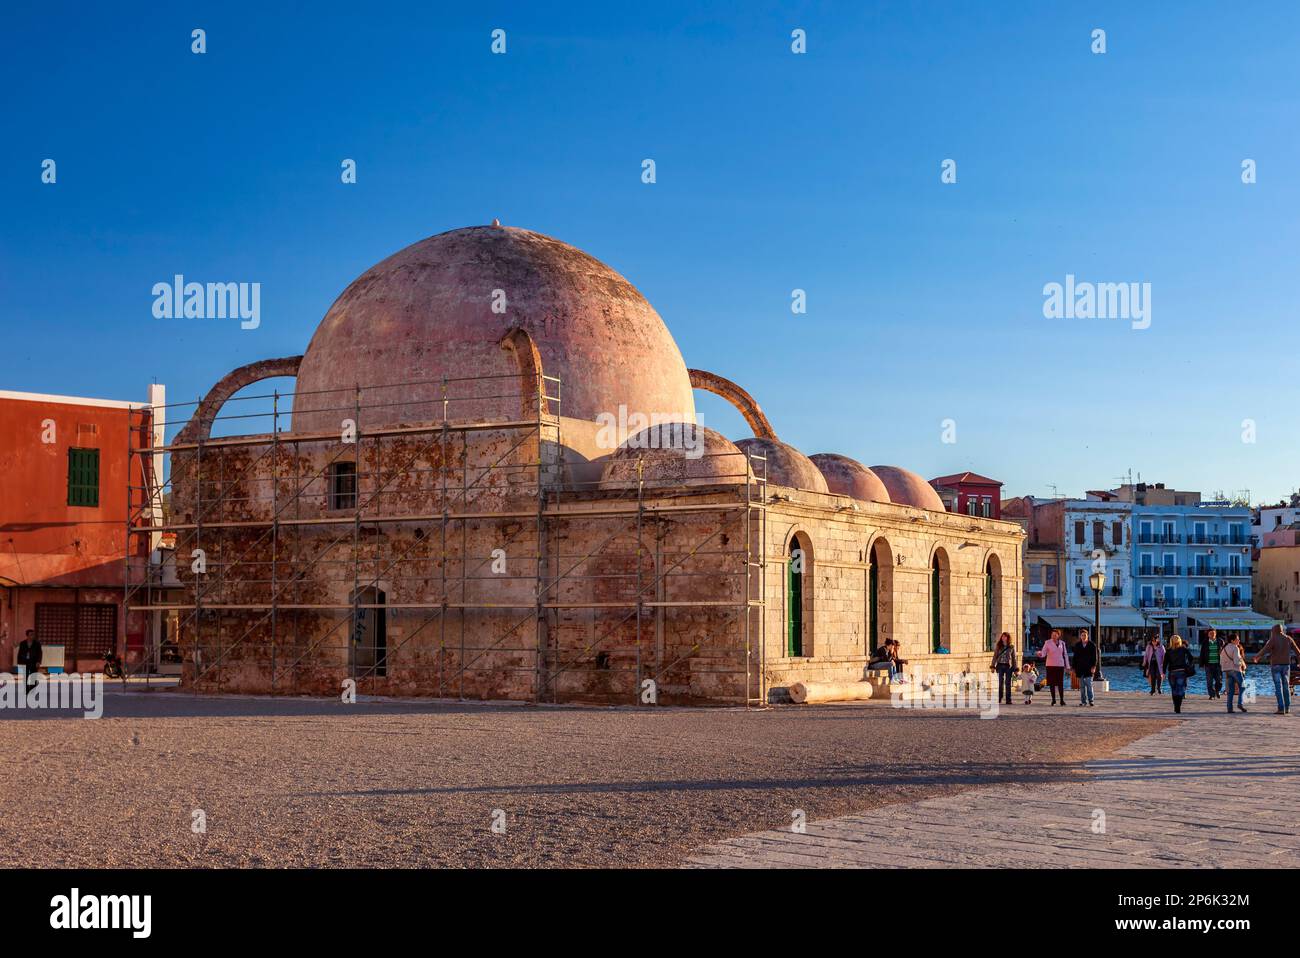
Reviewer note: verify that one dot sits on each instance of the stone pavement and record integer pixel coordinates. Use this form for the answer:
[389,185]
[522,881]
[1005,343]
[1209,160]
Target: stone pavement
[1214,790]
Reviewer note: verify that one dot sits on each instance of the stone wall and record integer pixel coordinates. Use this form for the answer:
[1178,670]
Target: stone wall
[462,571]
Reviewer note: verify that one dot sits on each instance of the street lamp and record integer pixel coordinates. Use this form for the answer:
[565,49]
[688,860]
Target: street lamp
[1098,582]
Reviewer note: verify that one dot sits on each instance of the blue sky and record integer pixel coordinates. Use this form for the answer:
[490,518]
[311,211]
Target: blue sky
[775,171]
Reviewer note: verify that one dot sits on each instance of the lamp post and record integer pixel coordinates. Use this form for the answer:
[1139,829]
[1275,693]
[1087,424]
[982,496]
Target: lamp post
[1098,582]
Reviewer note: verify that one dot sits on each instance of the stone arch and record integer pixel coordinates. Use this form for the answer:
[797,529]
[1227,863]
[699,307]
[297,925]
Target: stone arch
[745,404]
[993,601]
[799,597]
[940,618]
[532,387]
[199,428]
[880,593]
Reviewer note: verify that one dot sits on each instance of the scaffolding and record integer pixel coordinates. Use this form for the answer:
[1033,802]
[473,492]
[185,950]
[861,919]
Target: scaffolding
[298,549]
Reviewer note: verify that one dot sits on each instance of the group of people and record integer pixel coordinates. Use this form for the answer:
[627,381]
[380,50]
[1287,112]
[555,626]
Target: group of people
[1056,657]
[888,656]
[1224,661]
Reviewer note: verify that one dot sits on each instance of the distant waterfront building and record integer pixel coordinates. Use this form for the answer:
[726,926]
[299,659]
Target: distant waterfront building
[1266,519]
[1277,575]
[1153,494]
[1069,539]
[1192,566]
[970,494]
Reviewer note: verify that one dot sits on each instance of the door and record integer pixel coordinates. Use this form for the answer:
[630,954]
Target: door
[369,646]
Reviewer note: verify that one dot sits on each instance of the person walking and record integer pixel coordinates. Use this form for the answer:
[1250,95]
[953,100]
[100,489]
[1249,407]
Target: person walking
[1086,661]
[1153,664]
[29,656]
[1210,648]
[1056,656]
[1004,664]
[1278,648]
[1234,669]
[1179,668]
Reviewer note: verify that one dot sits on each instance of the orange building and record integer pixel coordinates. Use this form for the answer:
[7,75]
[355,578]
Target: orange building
[65,497]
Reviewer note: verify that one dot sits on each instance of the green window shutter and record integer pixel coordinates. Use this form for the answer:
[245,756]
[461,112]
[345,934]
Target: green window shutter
[988,611]
[935,630]
[83,477]
[794,611]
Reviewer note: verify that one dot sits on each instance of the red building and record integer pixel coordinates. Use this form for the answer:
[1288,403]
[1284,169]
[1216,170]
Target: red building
[65,465]
[970,494]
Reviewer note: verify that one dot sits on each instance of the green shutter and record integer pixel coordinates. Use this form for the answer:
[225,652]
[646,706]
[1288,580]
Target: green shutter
[83,477]
[988,610]
[794,611]
[935,631]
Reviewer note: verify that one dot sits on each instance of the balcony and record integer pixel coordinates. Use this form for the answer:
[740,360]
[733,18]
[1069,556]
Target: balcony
[1160,603]
[1161,570]
[1158,538]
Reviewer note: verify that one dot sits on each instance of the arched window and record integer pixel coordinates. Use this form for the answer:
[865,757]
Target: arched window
[798,597]
[880,595]
[940,602]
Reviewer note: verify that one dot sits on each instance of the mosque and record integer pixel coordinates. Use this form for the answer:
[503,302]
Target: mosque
[441,511]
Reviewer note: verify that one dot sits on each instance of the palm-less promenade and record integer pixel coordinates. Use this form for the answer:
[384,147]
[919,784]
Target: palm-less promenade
[1208,790]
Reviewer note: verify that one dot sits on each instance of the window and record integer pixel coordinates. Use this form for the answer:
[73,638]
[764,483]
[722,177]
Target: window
[1147,563]
[937,583]
[972,503]
[992,601]
[85,630]
[1098,534]
[1078,532]
[1144,531]
[1117,533]
[83,477]
[796,597]
[343,485]
[880,586]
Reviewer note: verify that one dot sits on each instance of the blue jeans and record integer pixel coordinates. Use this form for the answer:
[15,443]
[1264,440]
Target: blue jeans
[1235,685]
[1178,683]
[1282,685]
[1005,678]
[1085,690]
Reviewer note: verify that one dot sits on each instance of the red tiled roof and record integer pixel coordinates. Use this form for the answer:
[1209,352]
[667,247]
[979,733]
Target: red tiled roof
[961,477]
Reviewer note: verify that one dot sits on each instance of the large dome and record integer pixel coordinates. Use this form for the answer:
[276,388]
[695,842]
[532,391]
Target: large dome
[427,312]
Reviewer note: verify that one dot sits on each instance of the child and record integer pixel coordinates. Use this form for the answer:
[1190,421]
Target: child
[1028,679]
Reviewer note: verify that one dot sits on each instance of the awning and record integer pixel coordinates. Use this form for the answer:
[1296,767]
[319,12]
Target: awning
[1122,618]
[1063,620]
[1236,620]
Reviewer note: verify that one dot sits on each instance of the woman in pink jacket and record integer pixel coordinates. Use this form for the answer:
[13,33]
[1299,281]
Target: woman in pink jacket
[1153,664]
[1057,656]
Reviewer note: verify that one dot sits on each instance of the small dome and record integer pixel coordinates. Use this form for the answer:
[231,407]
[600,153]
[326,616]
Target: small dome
[675,454]
[848,477]
[786,465]
[908,489]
